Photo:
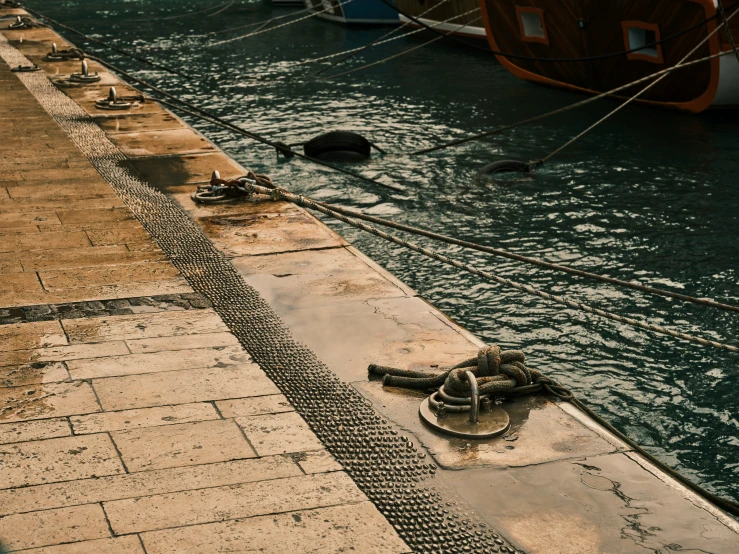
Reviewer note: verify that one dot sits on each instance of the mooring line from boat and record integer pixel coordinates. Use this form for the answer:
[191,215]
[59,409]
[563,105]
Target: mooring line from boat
[630,100]
[305,202]
[214,119]
[356,51]
[564,109]
[259,32]
[181,15]
[720,6]
[260,24]
[110,46]
[406,51]
[385,41]
[529,260]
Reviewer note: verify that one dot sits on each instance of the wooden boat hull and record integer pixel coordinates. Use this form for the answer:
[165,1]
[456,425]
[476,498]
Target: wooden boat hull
[469,25]
[362,12]
[590,28]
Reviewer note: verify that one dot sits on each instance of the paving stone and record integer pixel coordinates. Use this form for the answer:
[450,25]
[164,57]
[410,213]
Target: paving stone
[144,326]
[184,444]
[48,400]
[33,373]
[59,173]
[357,528]
[87,256]
[33,189]
[110,237]
[182,387]
[143,417]
[182,342]
[10,266]
[61,353]
[13,283]
[53,527]
[120,545]
[233,502]
[258,405]
[33,218]
[108,275]
[220,357]
[62,459]
[279,433]
[46,241]
[24,431]
[23,336]
[319,461]
[145,483]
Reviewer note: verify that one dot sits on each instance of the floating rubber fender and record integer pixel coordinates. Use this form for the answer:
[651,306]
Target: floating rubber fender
[505,166]
[338,146]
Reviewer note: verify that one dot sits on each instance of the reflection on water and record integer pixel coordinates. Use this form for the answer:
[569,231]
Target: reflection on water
[651,195]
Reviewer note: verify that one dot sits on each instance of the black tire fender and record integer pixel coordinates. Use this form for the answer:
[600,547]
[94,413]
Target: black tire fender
[504,166]
[338,146]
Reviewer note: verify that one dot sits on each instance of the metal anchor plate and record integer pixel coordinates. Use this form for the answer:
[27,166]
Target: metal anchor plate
[489,424]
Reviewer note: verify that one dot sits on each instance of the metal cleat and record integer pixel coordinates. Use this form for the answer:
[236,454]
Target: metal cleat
[114,102]
[26,69]
[84,76]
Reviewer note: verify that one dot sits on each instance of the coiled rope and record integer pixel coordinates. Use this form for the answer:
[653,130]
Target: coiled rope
[409,50]
[260,31]
[282,194]
[504,374]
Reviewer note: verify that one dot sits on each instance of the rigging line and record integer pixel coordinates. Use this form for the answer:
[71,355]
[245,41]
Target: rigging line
[198,112]
[588,100]
[560,60]
[181,15]
[637,95]
[407,51]
[529,260]
[720,6]
[260,23]
[356,51]
[222,9]
[428,27]
[110,46]
[278,27]
[305,202]
[409,33]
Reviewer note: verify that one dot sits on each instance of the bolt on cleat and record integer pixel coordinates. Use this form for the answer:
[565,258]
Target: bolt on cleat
[84,76]
[57,55]
[26,69]
[115,102]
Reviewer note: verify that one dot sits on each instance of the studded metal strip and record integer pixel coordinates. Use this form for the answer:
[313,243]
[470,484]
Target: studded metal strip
[386,466]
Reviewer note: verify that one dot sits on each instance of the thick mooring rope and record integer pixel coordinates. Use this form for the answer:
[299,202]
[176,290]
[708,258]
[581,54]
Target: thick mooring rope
[533,261]
[504,374]
[282,194]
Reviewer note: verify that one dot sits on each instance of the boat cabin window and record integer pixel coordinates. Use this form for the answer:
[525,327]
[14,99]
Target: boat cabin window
[640,37]
[532,25]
